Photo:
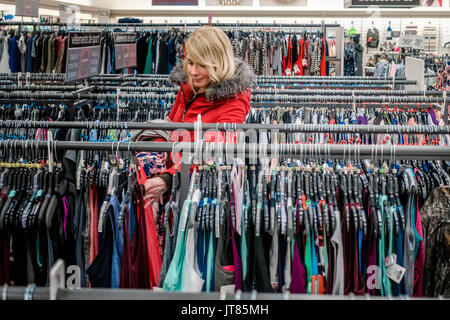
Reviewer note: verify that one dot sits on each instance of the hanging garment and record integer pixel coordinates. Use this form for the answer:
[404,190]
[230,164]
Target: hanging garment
[436,223]
[4,62]
[359,52]
[14,55]
[149,60]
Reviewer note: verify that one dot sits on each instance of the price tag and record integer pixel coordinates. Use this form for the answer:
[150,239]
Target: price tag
[418,43]
[395,273]
[405,42]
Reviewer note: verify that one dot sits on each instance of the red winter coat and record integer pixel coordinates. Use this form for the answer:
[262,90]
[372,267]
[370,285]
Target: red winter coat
[225,102]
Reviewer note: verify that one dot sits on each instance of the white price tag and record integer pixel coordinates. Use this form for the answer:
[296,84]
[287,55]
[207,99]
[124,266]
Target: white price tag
[395,273]
[405,42]
[418,43]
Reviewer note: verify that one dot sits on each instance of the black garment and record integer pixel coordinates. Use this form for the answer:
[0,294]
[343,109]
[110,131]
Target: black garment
[142,49]
[294,49]
[258,263]
[163,51]
[99,271]
[224,256]
[38,51]
[19,264]
[70,156]
[349,62]
[4,259]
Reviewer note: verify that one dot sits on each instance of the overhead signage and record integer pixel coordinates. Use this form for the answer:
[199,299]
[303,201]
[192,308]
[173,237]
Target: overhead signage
[83,55]
[382,3]
[125,50]
[104,16]
[27,8]
[68,13]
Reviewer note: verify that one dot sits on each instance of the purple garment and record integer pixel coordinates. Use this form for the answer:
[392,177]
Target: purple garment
[298,282]
[433,116]
[363,120]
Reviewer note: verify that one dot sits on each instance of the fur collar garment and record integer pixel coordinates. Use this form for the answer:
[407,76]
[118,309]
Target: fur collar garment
[243,79]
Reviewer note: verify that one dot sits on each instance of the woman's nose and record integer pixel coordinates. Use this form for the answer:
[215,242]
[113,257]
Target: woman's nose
[194,71]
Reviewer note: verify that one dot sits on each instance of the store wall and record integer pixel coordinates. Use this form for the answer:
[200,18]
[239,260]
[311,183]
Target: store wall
[8,9]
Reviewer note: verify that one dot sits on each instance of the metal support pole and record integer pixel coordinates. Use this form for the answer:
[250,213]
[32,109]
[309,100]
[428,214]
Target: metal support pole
[288,150]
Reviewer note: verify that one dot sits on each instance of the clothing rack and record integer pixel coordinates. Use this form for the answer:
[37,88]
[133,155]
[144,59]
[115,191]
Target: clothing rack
[258,90]
[77,96]
[61,75]
[303,128]
[262,80]
[379,152]
[322,80]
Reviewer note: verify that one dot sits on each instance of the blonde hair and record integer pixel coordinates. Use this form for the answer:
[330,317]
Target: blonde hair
[211,47]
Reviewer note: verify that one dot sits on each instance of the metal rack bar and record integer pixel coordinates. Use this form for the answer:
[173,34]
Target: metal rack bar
[262,79]
[298,128]
[260,97]
[234,25]
[258,90]
[18,293]
[400,152]
[145,87]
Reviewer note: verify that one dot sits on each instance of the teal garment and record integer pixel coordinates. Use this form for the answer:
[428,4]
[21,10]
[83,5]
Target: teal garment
[390,245]
[314,264]
[385,281]
[173,280]
[148,60]
[308,263]
[244,251]
[210,263]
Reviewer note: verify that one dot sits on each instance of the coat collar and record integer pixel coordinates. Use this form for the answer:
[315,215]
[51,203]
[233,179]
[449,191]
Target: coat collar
[242,80]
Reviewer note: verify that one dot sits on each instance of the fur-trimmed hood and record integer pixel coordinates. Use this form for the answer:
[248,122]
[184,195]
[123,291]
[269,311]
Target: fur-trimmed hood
[243,79]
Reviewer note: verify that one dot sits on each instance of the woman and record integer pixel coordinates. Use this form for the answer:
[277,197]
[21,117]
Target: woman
[212,83]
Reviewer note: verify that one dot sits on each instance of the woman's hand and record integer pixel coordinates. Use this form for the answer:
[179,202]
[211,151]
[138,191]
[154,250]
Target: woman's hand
[154,189]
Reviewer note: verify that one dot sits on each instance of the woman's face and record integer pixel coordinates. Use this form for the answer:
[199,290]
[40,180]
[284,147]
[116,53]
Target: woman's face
[199,75]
